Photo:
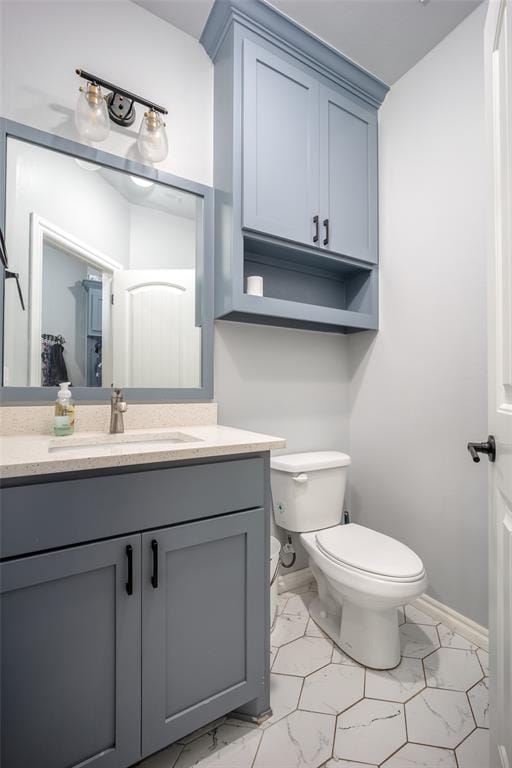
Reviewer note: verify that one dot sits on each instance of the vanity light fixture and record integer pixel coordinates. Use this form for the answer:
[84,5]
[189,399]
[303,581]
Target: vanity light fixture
[152,141]
[94,110]
[91,116]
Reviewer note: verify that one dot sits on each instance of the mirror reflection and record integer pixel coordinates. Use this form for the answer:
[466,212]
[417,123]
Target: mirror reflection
[108,268]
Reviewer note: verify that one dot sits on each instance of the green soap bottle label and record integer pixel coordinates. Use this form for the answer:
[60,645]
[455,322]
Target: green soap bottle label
[61,425]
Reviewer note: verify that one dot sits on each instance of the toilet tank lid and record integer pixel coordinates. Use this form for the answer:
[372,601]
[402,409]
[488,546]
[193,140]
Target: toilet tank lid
[309,462]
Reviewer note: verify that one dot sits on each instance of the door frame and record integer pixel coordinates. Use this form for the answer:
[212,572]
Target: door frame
[500,401]
[44,231]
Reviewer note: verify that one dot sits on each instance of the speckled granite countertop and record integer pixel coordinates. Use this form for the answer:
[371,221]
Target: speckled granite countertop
[38,454]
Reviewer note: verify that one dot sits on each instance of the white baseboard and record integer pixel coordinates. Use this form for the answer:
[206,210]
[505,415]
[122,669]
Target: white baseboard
[287,581]
[465,627]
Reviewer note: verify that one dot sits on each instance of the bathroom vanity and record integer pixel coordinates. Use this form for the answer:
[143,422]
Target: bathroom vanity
[134,596]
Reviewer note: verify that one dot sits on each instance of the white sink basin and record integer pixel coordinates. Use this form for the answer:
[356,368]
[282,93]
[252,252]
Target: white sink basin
[137,438]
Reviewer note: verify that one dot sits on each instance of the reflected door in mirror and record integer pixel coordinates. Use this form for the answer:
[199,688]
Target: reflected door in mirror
[156,342]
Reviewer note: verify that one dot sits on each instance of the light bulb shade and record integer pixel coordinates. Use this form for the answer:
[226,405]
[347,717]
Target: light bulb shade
[152,141]
[91,115]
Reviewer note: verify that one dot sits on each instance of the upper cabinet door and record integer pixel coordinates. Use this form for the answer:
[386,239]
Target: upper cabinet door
[280,147]
[348,177]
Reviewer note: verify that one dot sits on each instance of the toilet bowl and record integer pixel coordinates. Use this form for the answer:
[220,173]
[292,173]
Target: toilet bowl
[363,576]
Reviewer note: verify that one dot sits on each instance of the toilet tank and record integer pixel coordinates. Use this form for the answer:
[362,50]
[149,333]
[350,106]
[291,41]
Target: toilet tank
[308,489]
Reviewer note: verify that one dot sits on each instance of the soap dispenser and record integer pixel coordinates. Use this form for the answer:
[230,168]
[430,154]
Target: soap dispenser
[64,419]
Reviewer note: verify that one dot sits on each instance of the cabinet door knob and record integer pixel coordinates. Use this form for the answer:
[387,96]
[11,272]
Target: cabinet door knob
[316,221]
[154,549]
[326,225]
[129,559]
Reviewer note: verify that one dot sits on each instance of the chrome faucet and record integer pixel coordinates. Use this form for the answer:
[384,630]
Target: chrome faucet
[118,406]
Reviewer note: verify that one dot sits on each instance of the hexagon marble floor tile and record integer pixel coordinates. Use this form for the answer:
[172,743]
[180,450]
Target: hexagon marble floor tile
[330,712]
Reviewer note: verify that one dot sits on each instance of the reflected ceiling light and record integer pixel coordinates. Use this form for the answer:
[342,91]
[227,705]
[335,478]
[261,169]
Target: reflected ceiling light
[94,110]
[140,182]
[86,165]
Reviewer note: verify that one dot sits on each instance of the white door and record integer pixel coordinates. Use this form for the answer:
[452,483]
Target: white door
[155,340]
[498,52]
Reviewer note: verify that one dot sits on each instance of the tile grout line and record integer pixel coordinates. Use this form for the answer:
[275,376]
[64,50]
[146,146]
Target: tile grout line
[365,697]
[262,733]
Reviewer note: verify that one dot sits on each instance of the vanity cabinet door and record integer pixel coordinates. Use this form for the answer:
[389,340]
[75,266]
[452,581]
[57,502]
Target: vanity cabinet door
[280,146]
[348,176]
[70,657]
[203,623]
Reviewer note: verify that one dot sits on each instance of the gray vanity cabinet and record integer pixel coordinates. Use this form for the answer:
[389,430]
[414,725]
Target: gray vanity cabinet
[348,173]
[202,632]
[134,609]
[70,657]
[280,146]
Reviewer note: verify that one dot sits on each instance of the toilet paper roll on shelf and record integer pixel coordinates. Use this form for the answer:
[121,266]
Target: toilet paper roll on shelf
[255,285]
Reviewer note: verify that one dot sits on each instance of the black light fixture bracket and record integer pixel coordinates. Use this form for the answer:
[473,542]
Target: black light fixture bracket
[120,102]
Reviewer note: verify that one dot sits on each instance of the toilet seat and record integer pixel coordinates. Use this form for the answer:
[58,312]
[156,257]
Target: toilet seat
[362,549]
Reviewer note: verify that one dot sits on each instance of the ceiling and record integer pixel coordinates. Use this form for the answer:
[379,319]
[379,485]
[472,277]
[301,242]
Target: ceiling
[386,37]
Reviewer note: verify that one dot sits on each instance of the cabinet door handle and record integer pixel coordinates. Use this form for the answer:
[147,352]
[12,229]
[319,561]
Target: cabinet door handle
[129,559]
[154,549]
[326,225]
[317,232]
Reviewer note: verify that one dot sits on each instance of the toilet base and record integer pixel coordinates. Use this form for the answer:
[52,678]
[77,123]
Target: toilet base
[368,636]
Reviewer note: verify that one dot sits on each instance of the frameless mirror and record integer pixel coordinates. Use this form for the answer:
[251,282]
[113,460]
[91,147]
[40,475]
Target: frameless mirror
[110,268]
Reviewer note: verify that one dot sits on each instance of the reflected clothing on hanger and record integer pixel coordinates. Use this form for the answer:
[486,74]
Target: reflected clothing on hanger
[53,365]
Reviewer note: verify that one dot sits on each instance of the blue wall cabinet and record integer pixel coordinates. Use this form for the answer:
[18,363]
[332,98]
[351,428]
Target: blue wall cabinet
[348,157]
[280,147]
[70,657]
[295,173]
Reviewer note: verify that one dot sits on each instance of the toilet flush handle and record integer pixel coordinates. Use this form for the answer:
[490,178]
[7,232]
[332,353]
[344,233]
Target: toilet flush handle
[302,478]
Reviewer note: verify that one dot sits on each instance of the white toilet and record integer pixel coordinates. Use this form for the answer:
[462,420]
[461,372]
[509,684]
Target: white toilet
[362,576]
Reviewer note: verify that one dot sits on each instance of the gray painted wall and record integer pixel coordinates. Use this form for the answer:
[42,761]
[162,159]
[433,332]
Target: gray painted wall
[418,388]
[284,382]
